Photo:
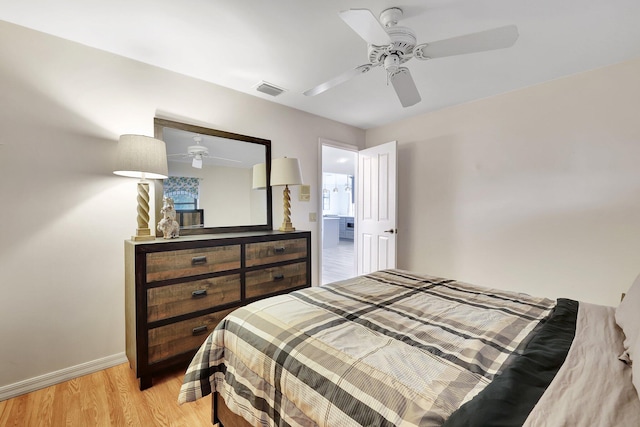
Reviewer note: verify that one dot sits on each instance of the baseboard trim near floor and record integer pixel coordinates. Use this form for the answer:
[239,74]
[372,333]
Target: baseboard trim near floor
[56,377]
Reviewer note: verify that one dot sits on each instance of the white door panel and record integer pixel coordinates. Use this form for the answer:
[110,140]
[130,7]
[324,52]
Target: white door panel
[365,251]
[383,253]
[376,208]
[384,208]
[366,180]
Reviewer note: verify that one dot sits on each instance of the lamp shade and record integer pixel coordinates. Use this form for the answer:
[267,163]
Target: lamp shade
[285,171]
[140,156]
[259,176]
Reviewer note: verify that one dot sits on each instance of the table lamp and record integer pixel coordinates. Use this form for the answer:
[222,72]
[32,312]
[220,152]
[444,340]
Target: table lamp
[286,171]
[143,157]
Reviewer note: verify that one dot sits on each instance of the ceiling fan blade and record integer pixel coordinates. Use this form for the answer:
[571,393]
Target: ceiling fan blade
[338,79]
[225,159]
[405,87]
[496,38]
[366,25]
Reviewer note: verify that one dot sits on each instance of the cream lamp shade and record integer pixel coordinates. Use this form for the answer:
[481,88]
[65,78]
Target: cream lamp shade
[286,171]
[259,176]
[139,156]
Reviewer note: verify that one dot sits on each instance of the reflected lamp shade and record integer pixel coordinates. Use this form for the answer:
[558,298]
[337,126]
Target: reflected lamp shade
[286,171]
[140,156]
[143,157]
[259,176]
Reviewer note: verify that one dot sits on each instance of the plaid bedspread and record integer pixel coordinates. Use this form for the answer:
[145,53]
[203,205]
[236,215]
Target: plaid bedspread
[388,348]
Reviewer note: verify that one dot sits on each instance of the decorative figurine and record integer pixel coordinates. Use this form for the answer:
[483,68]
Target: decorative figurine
[168,224]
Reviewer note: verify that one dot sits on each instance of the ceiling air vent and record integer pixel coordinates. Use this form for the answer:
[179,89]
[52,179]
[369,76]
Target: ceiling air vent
[269,88]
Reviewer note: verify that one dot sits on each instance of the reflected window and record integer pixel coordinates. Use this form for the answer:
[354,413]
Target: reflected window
[183,201]
[183,190]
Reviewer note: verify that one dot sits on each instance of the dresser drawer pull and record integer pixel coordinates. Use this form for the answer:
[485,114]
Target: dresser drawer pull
[199,293]
[199,330]
[278,277]
[198,260]
[279,250]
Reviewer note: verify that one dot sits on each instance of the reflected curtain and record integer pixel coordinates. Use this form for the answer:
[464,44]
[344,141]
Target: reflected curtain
[182,185]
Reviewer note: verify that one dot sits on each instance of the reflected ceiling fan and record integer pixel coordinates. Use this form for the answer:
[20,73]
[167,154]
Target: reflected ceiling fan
[391,45]
[198,152]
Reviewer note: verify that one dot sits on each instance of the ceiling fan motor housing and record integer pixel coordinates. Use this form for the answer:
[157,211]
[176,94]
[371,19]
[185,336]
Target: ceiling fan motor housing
[403,40]
[197,150]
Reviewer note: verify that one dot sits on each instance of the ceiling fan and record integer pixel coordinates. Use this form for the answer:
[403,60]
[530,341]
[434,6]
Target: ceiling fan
[197,152]
[391,45]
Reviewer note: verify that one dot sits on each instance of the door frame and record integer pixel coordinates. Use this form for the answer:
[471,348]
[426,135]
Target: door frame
[342,146]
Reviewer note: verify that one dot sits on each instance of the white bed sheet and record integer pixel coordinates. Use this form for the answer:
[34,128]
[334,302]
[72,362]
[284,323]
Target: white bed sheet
[593,387]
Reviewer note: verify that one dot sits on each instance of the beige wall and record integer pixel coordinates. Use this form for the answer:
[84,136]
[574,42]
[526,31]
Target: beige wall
[229,191]
[65,215]
[536,190]
[235,207]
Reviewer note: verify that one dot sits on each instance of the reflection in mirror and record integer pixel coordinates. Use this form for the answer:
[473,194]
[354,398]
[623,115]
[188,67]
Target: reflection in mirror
[211,178]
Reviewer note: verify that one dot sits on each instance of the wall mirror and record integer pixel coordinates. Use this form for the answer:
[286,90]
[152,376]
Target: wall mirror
[211,179]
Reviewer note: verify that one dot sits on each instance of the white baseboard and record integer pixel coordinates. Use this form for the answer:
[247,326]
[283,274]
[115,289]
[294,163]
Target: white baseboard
[52,378]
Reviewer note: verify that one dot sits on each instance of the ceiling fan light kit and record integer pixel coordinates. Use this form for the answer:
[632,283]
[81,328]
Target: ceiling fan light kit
[197,152]
[391,45]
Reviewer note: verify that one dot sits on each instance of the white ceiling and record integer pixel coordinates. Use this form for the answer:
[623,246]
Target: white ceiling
[297,44]
[338,161]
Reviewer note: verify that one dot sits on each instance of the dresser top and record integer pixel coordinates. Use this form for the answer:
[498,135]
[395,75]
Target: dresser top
[220,236]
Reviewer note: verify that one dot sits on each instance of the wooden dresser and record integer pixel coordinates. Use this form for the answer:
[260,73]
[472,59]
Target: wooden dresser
[178,290]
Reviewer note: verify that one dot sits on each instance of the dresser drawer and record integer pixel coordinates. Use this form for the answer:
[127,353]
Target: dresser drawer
[180,337]
[275,251]
[182,298]
[275,279]
[191,262]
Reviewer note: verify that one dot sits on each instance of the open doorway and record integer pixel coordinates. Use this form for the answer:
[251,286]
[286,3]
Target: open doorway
[338,212]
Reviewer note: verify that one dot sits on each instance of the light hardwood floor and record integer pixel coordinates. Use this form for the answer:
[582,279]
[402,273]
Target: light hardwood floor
[107,398]
[338,262]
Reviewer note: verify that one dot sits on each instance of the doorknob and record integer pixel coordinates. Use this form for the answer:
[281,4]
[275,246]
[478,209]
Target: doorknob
[391,231]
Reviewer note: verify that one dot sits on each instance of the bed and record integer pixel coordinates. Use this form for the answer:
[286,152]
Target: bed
[397,348]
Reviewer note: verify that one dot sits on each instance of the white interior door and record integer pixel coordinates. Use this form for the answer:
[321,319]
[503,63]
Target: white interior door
[376,227]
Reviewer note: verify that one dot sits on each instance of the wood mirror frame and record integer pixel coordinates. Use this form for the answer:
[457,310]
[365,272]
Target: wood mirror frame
[160,125]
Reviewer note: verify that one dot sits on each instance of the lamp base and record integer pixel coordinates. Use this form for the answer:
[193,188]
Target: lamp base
[286,221]
[287,226]
[143,235]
